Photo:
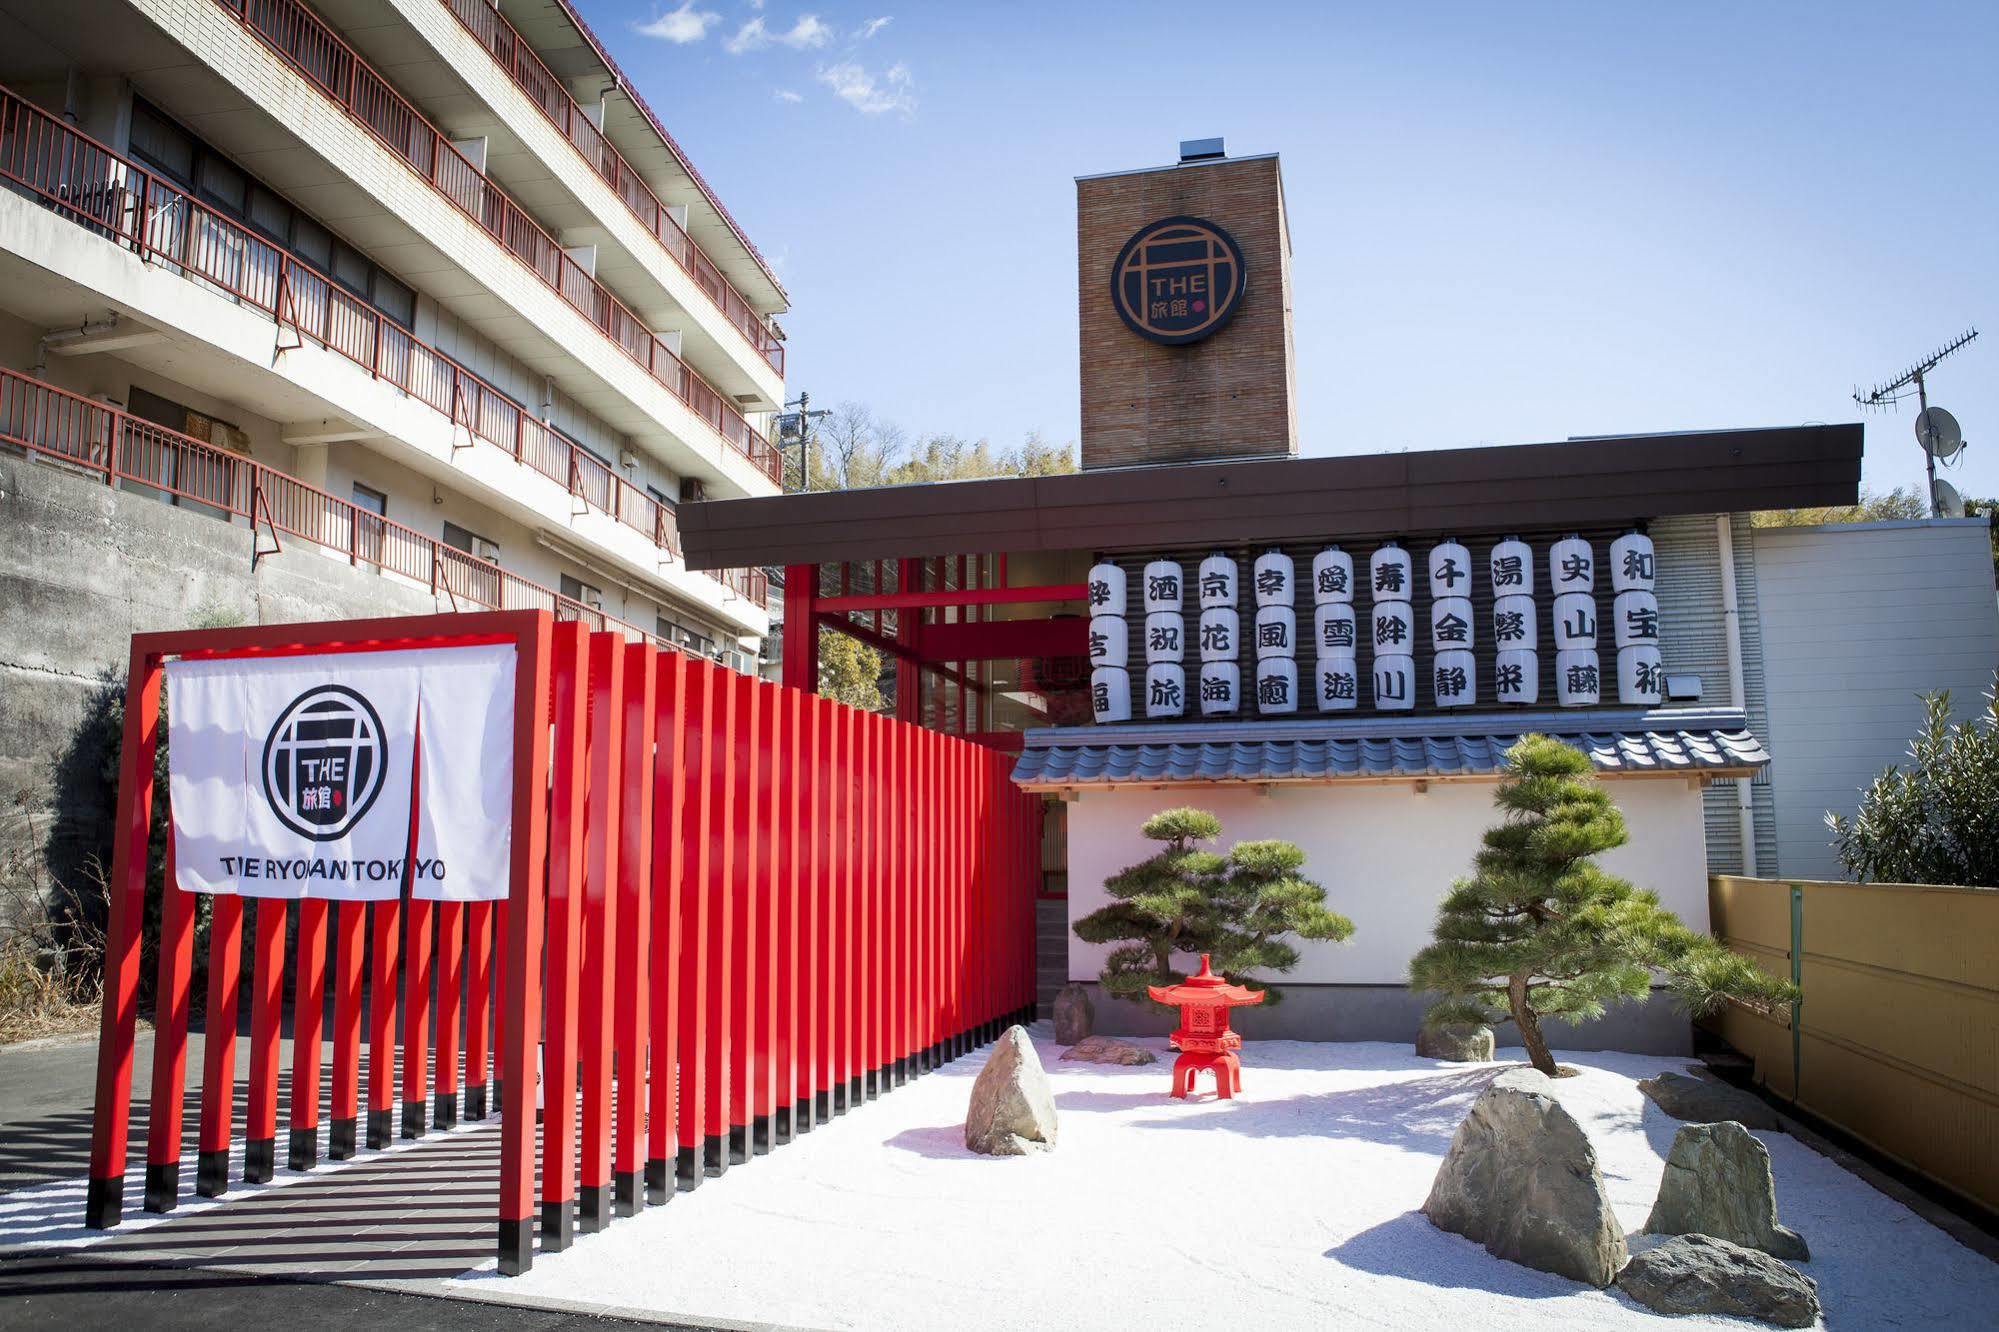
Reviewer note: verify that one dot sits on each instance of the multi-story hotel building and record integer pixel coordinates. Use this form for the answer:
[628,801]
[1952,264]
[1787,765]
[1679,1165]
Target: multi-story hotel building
[419,287]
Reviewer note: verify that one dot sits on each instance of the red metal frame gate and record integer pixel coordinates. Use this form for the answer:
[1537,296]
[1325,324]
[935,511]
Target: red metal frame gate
[769,905]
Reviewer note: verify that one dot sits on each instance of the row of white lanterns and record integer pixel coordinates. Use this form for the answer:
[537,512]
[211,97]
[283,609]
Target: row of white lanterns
[1336,630]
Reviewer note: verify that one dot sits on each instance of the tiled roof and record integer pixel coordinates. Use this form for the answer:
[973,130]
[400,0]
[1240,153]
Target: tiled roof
[1620,743]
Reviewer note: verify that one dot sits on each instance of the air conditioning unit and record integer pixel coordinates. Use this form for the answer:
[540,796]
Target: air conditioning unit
[627,459]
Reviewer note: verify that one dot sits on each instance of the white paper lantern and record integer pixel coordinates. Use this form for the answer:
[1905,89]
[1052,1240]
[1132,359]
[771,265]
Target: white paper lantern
[1276,632]
[1273,577]
[1165,690]
[1221,688]
[1332,576]
[1337,681]
[1219,634]
[1106,590]
[1276,686]
[1516,676]
[1512,568]
[1165,637]
[1636,617]
[1513,624]
[1110,694]
[1454,678]
[1641,677]
[1217,586]
[1390,576]
[1334,630]
[1578,679]
[1394,627]
[1110,641]
[1394,682]
[1632,563]
[1450,570]
[1164,586]
[1451,623]
[1575,621]
[1571,566]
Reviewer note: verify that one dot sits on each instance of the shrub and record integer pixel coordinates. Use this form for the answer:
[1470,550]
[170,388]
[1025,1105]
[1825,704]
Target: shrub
[1937,822]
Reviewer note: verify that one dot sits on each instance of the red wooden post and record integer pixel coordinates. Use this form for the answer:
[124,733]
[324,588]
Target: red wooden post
[871,919]
[720,923]
[844,922]
[697,903]
[863,913]
[521,972]
[600,924]
[126,891]
[569,668]
[260,1127]
[308,1019]
[634,936]
[904,799]
[218,1046]
[746,828]
[812,919]
[350,921]
[771,777]
[417,922]
[669,808]
[791,855]
[170,1008]
[450,1009]
[801,627]
[383,997]
[478,1004]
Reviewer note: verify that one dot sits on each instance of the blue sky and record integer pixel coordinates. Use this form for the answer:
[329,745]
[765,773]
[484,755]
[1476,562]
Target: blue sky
[1509,222]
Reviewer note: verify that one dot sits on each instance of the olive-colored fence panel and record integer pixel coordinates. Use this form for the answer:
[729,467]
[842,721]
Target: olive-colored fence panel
[1897,1040]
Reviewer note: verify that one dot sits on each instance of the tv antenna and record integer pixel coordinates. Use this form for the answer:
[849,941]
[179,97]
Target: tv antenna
[1936,430]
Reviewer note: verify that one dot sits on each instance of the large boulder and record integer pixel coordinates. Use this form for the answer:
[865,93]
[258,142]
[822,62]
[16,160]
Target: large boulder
[1699,1274]
[1108,1050]
[1708,1101]
[1012,1111]
[1718,1183]
[1521,1179]
[1459,1042]
[1075,1016]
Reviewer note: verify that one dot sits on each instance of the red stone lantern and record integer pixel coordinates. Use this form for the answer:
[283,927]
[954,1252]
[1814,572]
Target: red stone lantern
[1204,1000]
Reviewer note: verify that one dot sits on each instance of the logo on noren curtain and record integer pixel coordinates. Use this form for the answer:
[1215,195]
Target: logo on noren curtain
[323,762]
[1178,280]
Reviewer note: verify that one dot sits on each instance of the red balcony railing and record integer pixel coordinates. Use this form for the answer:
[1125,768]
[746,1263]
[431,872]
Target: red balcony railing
[302,38]
[511,51]
[54,423]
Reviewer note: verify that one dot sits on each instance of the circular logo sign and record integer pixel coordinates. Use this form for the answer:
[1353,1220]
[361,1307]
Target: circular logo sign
[323,762]
[1178,280]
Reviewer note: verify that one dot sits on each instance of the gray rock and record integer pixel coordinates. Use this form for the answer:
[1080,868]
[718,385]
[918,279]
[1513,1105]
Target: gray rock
[1075,1015]
[1459,1042]
[1012,1111]
[1521,1179]
[1108,1050]
[1706,1101]
[1699,1274]
[1718,1183]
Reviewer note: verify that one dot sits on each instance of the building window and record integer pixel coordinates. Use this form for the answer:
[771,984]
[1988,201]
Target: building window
[664,500]
[370,531]
[478,547]
[477,578]
[577,590]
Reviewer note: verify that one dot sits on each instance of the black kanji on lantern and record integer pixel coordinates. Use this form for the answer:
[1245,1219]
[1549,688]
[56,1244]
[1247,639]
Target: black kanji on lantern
[1390,629]
[1214,584]
[1338,684]
[1332,580]
[1215,689]
[1271,634]
[1100,592]
[1582,680]
[1507,571]
[1162,587]
[1581,625]
[1643,621]
[1162,638]
[1215,637]
[1165,693]
[1450,681]
[1100,695]
[1449,574]
[1273,690]
[1388,577]
[1509,626]
[1391,684]
[1638,564]
[1269,582]
[1338,634]
[1651,677]
[1510,678]
[1575,568]
[1452,628]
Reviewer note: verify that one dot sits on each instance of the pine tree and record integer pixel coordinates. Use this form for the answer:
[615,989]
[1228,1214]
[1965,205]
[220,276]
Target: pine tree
[1188,900]
[1539,930]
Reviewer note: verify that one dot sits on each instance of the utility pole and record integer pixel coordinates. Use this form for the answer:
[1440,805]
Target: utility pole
[795,427]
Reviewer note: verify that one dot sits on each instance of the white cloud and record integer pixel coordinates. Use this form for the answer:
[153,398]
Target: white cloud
[806,34]
[750,37]
[787,95]
[683,25]
[872,26]
[854,85]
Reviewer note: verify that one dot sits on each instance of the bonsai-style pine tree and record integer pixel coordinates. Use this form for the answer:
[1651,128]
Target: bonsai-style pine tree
[1188,900]
[1539,930]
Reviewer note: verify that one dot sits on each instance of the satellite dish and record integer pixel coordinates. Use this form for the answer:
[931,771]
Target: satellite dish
[1950,504]
[1937,432]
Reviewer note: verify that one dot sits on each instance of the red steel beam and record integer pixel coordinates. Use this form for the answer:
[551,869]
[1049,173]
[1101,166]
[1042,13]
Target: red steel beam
[600,925]
[696,956]
[959,596]
[260,1122]
[569,669]
[990,640]
[170,1009]
[634,928]
[349,929]
[308,1019]
[669,804]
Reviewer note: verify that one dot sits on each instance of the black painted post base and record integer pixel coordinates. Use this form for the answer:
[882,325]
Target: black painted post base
[900,1069]
[211,1174]
[628,1194]
[839,1095]
[475,1101]
[871,1084]
[340,1139]
[714,1155]
[558,1224]
[854,1096]
[162,1186]
[822,1103]
[381,1124]
[516,1246]
[801,1115]
[780,1125]
[302,1150]
[739,1144]
[593,1208]
[412,1119]
[687,1174]
[446,1109]
[659,1183]
[104,1204]
[760,1140]
[260,1157]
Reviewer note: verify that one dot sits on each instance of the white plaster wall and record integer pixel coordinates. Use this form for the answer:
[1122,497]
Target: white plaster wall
[1386,855]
